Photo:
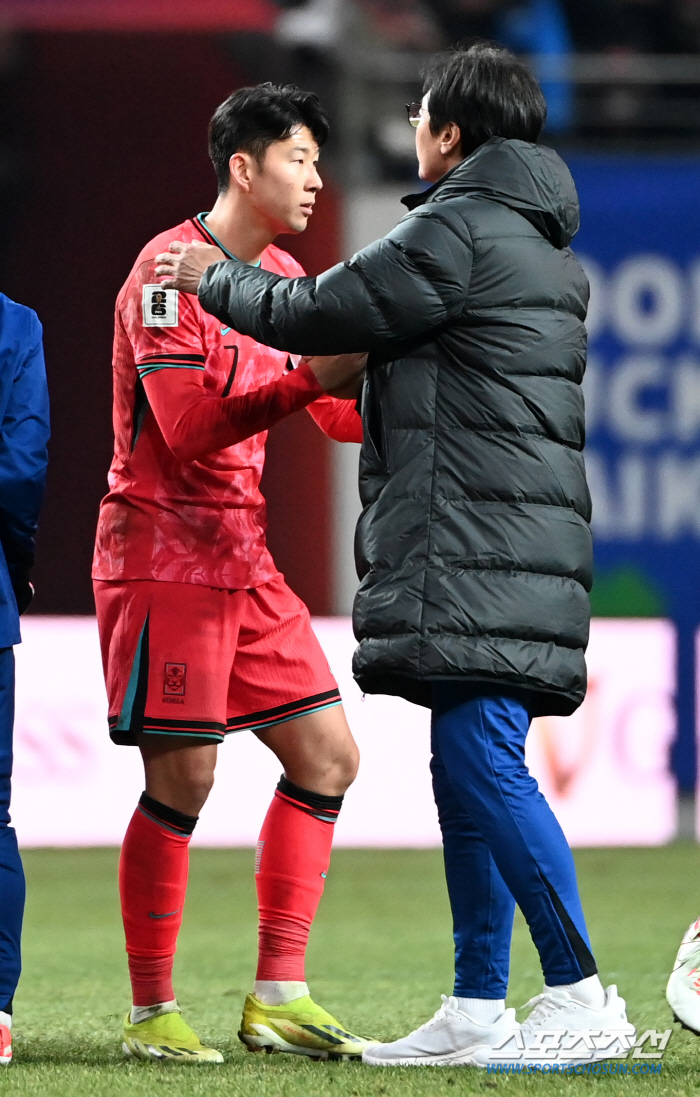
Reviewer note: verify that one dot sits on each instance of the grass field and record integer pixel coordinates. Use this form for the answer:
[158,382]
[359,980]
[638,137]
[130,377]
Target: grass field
[380,955]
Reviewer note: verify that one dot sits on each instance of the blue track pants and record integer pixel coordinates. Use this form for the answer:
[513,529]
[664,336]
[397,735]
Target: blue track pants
[11,872]
[502,846]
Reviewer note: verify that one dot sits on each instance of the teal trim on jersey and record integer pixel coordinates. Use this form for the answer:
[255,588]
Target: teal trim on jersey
[200,218]
[143,371]
[124,721]
[187,734]
[284,720]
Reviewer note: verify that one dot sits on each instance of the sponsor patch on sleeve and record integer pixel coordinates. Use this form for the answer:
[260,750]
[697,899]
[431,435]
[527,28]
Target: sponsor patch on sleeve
[160,307]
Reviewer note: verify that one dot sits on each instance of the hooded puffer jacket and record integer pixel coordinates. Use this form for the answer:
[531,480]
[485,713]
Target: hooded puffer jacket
[474,547]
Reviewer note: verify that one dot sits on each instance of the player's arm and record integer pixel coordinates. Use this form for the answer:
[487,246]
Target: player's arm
[339,419]
[24,433]
[195,423]
[164,329]
[399,288]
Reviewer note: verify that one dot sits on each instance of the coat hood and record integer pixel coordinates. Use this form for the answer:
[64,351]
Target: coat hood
[531,179]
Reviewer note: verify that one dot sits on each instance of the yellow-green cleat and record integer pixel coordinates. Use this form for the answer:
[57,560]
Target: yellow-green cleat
[300,1028]
[166,1038]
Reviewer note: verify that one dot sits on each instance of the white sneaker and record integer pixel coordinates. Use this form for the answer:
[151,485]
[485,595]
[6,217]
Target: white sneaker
[448,1039]
[683,990]
[561,1029]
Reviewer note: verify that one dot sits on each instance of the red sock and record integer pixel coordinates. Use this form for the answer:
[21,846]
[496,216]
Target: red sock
[152,884]
[291,864]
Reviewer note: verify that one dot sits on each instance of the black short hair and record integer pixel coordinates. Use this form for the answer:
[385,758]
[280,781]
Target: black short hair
[486,91]
[251,119]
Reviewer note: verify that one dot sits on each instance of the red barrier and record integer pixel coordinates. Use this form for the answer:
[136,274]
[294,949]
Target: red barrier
[157,15]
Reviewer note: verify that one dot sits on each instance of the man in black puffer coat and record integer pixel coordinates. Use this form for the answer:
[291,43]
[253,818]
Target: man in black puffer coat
[473,548]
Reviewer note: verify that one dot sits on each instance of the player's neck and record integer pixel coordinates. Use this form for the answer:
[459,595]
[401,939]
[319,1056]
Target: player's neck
[238,228]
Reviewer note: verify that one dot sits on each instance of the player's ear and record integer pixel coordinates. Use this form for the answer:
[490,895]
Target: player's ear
[240,167]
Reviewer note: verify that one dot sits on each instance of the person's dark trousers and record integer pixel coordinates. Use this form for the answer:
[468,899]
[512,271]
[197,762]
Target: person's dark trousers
[503,846]
[12,888]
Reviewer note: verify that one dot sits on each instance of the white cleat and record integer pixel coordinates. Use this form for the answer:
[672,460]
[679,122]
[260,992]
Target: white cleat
[451,1038]
[683,990]
[563,1030]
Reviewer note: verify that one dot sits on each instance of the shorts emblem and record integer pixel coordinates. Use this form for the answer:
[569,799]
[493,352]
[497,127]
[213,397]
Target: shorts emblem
[174,679]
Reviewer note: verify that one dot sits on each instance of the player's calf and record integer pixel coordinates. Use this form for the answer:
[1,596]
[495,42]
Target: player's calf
[292,862]
[153,881]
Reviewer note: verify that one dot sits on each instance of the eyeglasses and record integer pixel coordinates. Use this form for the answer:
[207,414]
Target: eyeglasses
[413,110]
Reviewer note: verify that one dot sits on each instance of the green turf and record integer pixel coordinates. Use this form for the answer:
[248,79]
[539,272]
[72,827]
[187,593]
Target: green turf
[380,956]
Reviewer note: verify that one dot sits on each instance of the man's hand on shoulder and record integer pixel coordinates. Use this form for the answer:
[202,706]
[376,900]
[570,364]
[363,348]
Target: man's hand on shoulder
[183,265]
[339,375]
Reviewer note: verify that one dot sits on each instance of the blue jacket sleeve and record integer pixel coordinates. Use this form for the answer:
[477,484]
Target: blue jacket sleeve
[24,433]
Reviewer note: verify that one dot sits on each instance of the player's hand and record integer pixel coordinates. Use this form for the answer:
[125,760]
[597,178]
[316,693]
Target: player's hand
[183,265]
[339,375]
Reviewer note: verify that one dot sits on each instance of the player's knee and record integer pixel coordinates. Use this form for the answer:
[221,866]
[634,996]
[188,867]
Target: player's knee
[349,766]
[197,787]
[342,770]
[187,791]
[330,774]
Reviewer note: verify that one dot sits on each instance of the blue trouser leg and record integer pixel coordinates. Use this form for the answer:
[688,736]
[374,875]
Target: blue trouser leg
[481,742]
[482,906]
[12,887]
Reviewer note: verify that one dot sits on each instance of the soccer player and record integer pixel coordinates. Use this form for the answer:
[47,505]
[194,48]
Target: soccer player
[24,432]
[474,546]
[200,634]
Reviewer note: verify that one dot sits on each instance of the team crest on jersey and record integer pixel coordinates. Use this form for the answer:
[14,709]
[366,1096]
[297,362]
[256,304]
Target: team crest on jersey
[160,307]
[174,679]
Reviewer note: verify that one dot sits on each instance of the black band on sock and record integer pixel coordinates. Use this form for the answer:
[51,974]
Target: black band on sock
[167,817]
[8,1008]
[580,948]
[325,808]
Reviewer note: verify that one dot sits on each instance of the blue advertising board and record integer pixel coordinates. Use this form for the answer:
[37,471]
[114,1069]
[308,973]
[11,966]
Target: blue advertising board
[640,244]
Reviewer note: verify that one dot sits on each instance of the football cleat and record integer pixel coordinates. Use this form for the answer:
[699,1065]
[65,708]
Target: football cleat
[166,1036]
[300,1028]
[683,989]
[451,1038]
[5,1045]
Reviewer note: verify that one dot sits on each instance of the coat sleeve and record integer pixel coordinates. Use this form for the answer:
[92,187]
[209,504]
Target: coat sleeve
[399,288]
[24,433]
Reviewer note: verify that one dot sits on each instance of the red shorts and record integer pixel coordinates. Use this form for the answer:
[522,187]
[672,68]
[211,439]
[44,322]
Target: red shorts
[184,659]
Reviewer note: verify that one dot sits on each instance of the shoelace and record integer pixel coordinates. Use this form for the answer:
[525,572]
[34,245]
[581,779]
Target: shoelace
[440,1015]
[543,1007]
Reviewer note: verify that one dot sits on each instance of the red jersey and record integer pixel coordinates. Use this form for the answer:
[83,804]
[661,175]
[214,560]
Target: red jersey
[192,403]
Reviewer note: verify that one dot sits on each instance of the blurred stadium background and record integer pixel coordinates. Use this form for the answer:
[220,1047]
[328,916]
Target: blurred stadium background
[104,106]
